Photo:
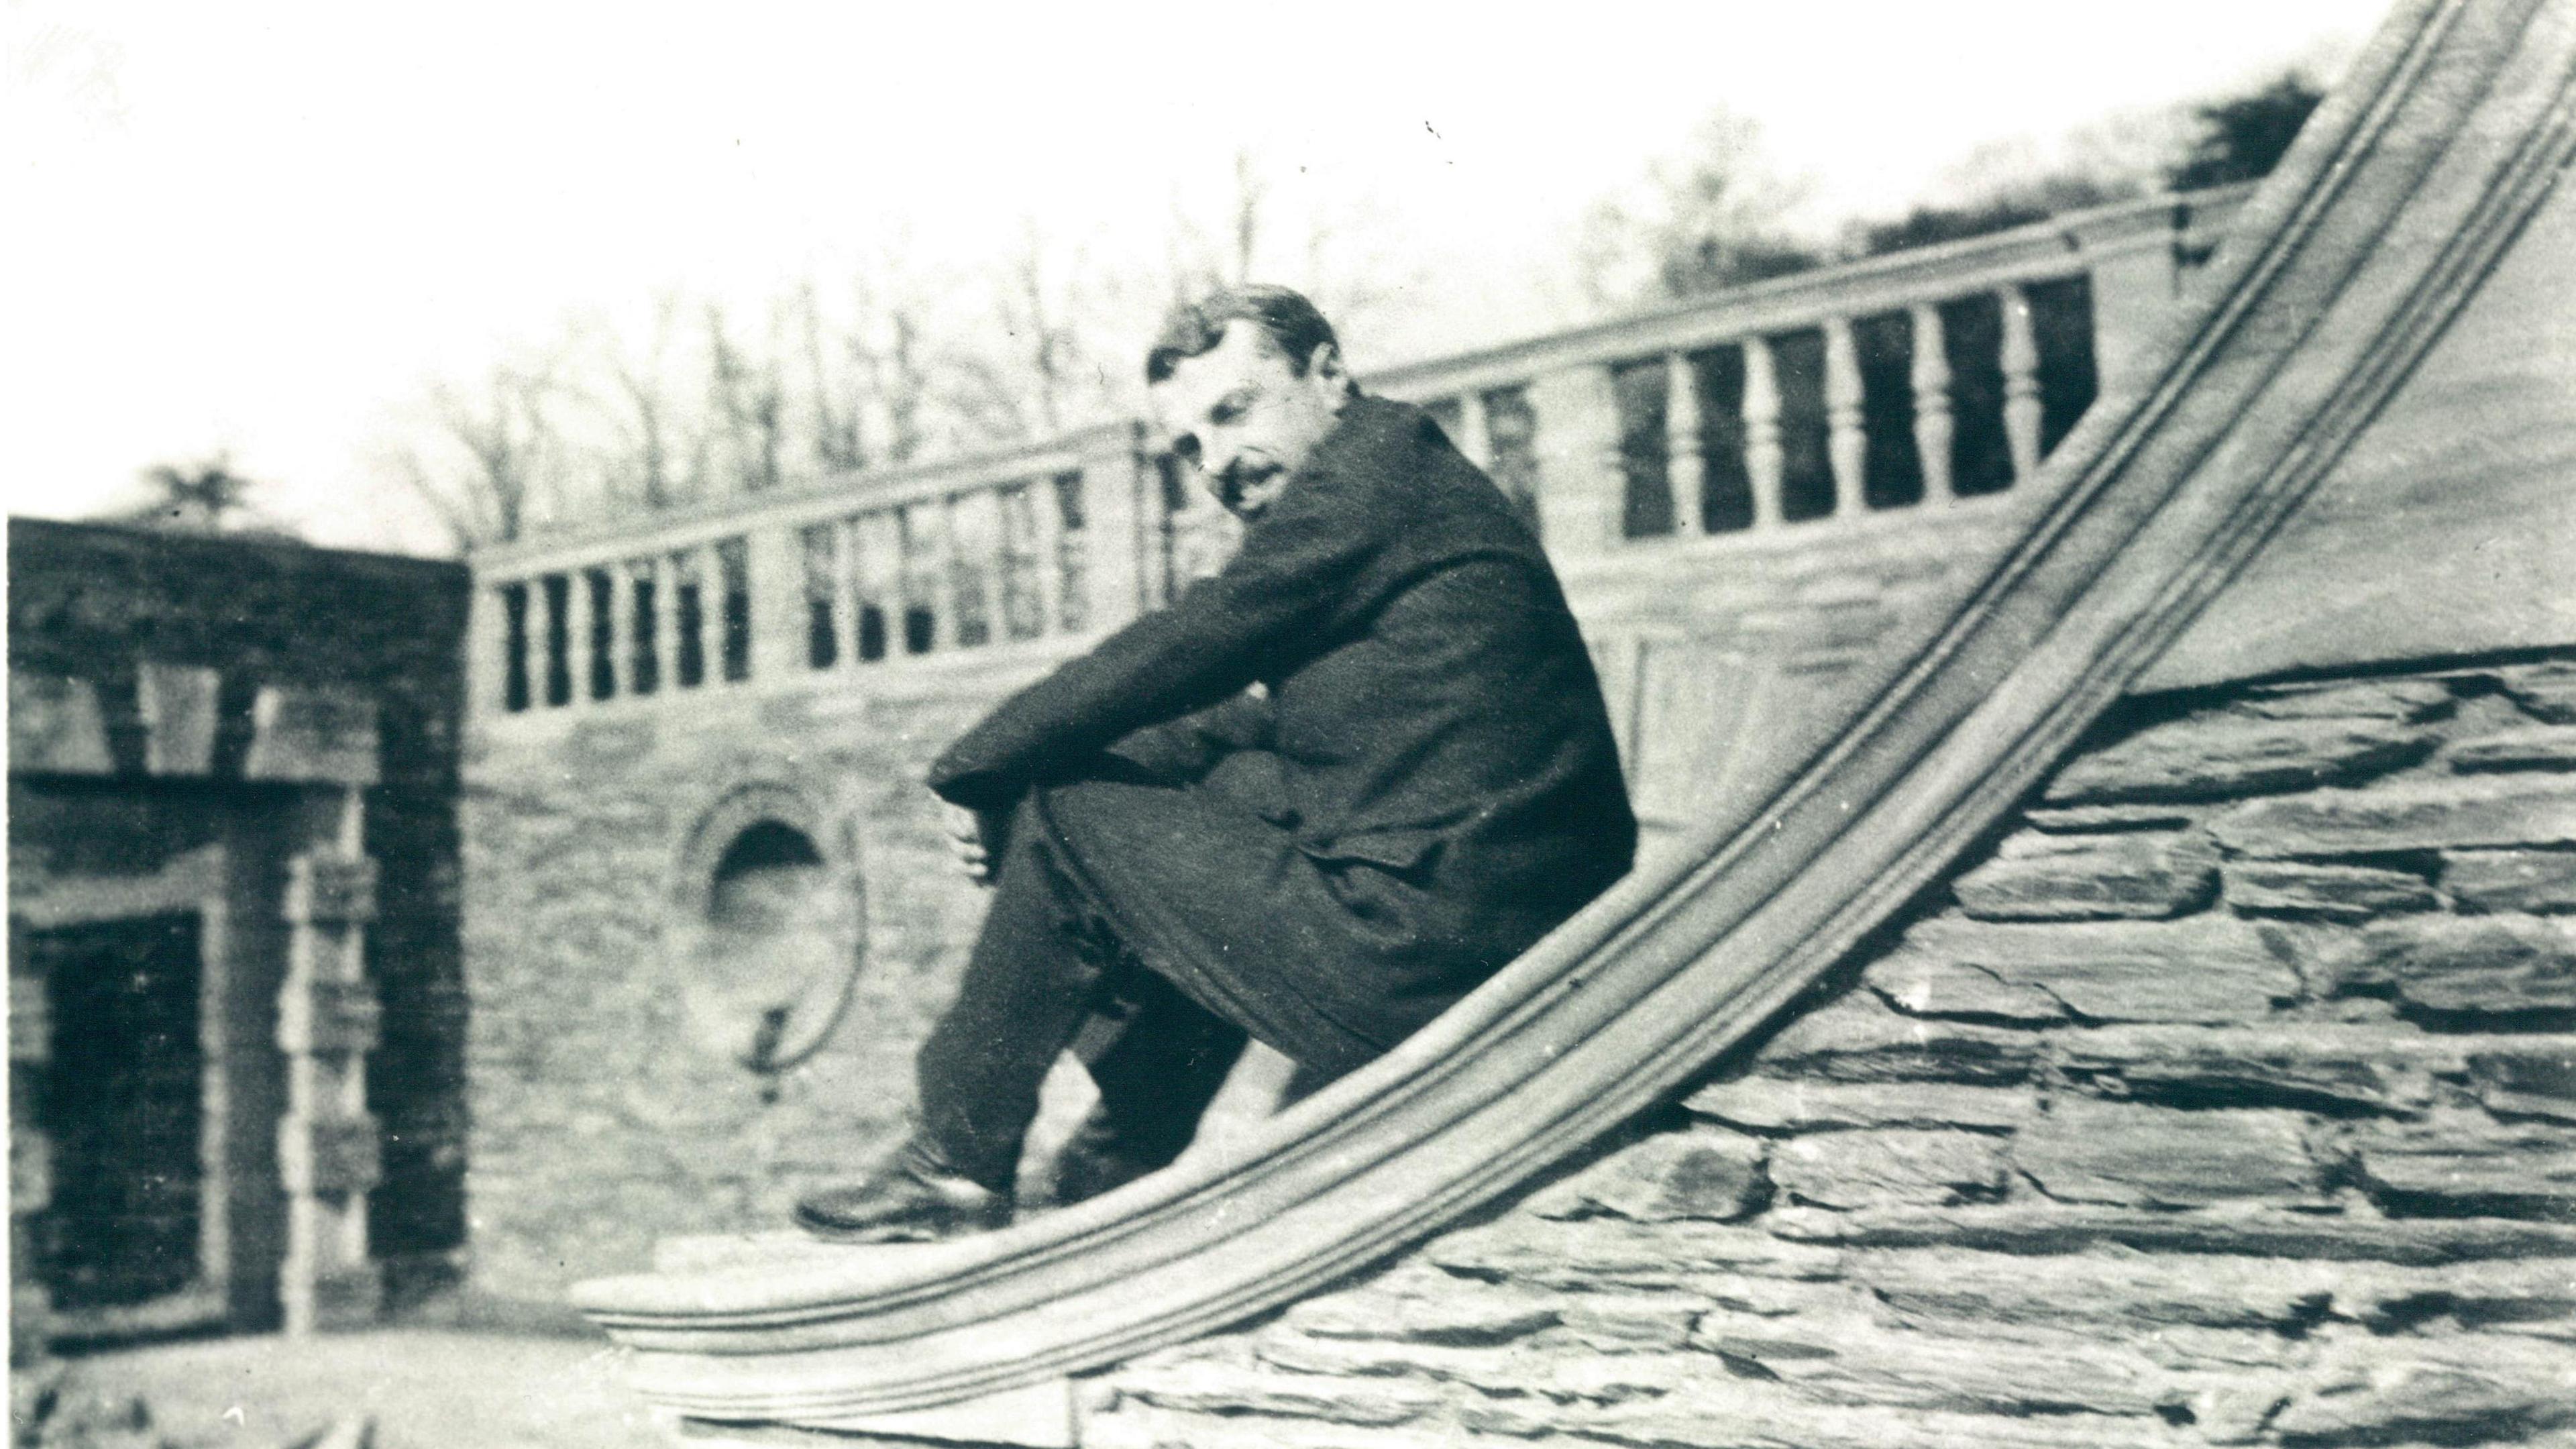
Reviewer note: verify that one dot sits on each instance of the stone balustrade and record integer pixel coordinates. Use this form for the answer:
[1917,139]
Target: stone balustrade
[1797,408]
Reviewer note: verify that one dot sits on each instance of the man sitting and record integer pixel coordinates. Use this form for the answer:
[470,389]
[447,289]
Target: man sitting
[1316,800]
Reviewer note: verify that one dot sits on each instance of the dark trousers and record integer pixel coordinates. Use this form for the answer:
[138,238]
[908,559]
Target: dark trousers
[1128,923]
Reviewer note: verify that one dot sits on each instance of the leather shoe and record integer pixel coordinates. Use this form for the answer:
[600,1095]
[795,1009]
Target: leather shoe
[913,1198]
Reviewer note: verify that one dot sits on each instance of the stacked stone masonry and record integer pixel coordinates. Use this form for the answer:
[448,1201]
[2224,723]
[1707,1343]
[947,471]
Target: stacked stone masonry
[2230,1098]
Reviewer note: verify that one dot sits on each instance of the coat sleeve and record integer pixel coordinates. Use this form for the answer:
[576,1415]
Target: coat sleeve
[1298,567]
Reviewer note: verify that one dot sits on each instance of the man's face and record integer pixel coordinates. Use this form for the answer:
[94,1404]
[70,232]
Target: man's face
[1245,417]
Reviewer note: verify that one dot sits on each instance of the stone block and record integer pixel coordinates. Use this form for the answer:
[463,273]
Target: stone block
[1773,1104]
[2522,1294]
[1453,1311]
[329,1155]
[1629,1322]
[2511,880]
[2252,1230]
[2411,1391]
[2466,1163]
[2156,1157]
[2107,819]
[2343,1068]
[2546,691]
[2537,1079]
[1873,1167]
[331,889]
[2210,968]
[1921,983]
[1858,1039]
[1857,1362]
[1209,1388]
[2440,814]
[31,1023]
[2324,892]
[2404,700]
[2098,1291]
[2218,757]
[31,1172]
[2136,875]
[1673,1177]
[2473,966]
[2538,747]
[312,736]
[178,704]
[1607,1253]
[56,726]
[328,1016]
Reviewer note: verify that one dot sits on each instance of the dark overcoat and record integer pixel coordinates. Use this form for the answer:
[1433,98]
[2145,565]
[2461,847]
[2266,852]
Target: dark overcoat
[1429,785]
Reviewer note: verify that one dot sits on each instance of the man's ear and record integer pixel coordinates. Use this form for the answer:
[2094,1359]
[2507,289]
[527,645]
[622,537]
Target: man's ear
[1325,366]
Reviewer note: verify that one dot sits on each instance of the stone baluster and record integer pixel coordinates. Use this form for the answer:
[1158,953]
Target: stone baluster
[2021,384]
[1845,441]
[936,532]
[846,584]
[590,612]
[689,571]
[1765,460]
[1684,468]
[329,1154]
[1047,538]
[1932,421]
[1475,438]
[621,629]
[642,636]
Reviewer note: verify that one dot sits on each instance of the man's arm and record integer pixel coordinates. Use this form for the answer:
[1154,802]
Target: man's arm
[1296,569]
[1184,750]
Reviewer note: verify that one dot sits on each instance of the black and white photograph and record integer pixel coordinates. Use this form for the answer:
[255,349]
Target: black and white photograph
[1745,726]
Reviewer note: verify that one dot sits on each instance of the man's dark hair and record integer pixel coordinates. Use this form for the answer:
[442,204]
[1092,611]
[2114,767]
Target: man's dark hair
[1192,328]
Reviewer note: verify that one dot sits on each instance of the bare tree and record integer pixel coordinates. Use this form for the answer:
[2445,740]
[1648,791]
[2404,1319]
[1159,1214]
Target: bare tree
[836,403]
[1703,220]
[491,467]
[659,457]
[747,393]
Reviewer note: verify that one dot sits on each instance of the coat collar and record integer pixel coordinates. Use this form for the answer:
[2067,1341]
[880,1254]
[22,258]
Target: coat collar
[1374,436]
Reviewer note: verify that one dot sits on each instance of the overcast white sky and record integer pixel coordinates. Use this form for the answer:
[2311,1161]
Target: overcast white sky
[260,227]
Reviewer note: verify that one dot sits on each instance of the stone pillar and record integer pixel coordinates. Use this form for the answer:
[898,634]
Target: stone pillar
[777,564]
[1578,451]
[1117,482]
[31,1176]
[328,1150]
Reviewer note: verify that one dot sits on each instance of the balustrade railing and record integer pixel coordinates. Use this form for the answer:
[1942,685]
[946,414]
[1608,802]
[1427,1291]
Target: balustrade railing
[1909,382]
[1915,379]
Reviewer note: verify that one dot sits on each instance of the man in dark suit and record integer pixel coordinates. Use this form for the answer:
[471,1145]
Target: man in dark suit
[1316,800]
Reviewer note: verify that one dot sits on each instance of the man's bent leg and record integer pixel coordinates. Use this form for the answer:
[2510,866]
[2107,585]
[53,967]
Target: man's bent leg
[1157,1070]
[1026,989]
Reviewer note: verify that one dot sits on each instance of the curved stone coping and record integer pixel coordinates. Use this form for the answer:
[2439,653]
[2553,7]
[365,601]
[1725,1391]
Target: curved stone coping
[2406,186]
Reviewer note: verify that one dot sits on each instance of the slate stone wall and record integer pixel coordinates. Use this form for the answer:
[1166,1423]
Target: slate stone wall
[2228,1098]
[607,1112]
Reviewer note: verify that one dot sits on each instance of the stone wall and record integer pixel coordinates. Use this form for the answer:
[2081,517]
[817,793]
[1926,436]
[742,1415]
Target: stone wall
[611,1105]
[99,608]
[2228,1098]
